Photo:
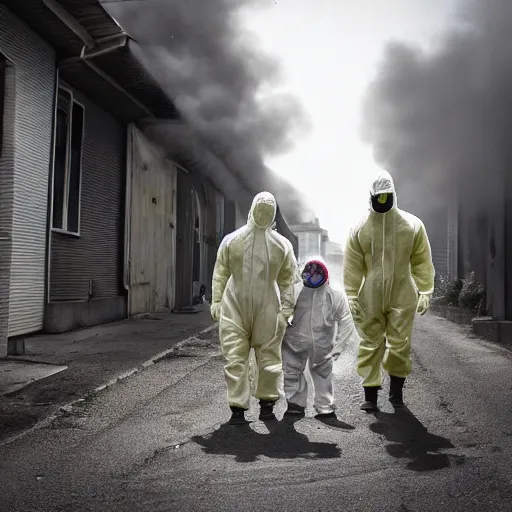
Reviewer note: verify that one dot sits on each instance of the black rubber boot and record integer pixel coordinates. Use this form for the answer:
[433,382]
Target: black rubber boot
[295,410]
[370,399]
[237,416]
[396,391]
[267,410]
[326,416]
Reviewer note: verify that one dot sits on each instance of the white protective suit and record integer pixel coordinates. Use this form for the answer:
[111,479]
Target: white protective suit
[252,298]
[388,275]
[322,327]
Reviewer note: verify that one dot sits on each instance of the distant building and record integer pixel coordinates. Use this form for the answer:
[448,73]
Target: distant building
[314,241]
[334,259]
[311,240]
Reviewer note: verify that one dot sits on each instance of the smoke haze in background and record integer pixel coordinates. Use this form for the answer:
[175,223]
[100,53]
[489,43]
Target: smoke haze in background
[220,81]
[442,121]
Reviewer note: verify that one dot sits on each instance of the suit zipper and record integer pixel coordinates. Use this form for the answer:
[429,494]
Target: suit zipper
[254,234]
[383,249]
[311,323]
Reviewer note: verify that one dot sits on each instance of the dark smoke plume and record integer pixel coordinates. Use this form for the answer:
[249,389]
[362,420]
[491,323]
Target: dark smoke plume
[441,123]
[217,76]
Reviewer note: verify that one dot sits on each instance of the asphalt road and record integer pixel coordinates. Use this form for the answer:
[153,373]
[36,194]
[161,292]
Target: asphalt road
[158,442]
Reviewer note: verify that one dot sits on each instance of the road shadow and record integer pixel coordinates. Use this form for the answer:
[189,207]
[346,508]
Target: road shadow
[409,439]
[282,442]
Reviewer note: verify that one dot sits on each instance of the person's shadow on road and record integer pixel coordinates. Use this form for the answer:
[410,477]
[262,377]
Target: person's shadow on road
[409,439]
[282,442]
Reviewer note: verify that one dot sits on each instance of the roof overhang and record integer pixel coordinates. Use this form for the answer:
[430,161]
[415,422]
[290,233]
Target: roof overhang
[96,56]
[117,80]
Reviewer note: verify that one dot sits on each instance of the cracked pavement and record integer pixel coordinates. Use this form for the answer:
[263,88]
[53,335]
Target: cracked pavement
[157,441]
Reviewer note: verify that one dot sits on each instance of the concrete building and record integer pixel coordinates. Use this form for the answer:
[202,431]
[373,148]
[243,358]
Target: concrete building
[311,240]
[334,259]
[314,241]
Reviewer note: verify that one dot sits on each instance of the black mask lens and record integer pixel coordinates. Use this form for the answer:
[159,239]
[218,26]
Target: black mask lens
[382,203]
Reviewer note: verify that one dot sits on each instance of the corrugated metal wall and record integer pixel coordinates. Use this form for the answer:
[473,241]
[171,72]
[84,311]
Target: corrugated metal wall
[97,254]
[34,64]
[152,248]
[6,201]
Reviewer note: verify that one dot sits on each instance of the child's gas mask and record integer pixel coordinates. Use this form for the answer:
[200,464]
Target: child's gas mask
[315,274]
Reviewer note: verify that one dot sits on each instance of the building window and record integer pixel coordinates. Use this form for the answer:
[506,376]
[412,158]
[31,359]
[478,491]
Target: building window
[67,172]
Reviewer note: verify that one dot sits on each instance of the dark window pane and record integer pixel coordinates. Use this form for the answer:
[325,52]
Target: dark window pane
[59,170]
[75,169]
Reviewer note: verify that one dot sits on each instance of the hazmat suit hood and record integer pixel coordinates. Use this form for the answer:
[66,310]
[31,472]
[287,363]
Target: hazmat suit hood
[319,259]
[383,184]
[263,211]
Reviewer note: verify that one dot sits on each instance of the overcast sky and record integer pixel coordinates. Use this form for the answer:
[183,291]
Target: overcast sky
[330,50]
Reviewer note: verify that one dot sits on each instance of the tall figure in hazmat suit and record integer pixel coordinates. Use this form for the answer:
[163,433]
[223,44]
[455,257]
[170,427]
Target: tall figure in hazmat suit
[252,299]
[322,328]
[388,276]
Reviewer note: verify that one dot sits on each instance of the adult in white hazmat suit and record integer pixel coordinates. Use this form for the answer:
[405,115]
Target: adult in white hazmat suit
[322,328]
[252,299]
[388,276]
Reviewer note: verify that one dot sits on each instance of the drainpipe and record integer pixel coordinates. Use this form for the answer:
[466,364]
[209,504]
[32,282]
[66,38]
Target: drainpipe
[89,43]
[87,57]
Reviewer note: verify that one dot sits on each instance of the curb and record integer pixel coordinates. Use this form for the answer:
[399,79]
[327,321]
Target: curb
[138,369]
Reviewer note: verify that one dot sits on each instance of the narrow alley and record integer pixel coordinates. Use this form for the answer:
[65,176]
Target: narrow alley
[159,441]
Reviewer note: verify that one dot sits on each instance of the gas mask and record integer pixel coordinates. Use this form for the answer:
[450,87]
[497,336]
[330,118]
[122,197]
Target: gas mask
[315,274]
[382,203]
[263,214]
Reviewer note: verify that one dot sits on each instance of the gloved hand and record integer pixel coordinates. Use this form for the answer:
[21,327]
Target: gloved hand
[423,304]
[215,311]
[355,309]
[282,320]
[332,355]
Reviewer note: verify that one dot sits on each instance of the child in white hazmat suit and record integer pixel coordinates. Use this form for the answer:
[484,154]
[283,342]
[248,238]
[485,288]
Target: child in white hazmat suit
[322,327]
